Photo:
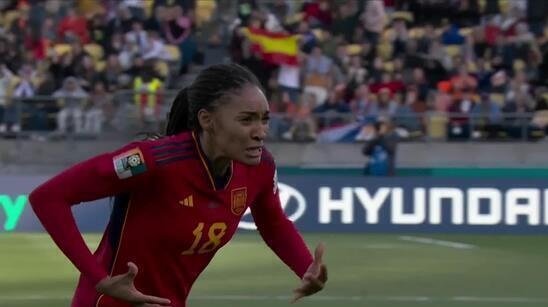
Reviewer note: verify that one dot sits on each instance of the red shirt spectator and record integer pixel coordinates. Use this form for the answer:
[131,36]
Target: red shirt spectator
[75,25]
[318,12]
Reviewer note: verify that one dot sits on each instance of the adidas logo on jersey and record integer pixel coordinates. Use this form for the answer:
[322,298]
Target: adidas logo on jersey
[187,201]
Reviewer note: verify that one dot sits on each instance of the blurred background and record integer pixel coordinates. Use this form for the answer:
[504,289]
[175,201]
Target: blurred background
[409,136]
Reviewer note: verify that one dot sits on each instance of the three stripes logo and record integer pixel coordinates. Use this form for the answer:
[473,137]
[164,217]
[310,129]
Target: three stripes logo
[187,201]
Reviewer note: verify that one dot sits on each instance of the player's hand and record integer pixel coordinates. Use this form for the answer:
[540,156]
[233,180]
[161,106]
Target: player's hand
[315,277]
[122,287]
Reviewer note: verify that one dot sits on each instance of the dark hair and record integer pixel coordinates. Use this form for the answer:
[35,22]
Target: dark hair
[206,92]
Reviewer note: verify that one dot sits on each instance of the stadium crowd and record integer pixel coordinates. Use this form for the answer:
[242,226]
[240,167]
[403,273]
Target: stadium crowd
[432,68]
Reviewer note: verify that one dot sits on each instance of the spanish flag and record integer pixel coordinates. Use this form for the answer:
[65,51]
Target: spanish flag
[276,48]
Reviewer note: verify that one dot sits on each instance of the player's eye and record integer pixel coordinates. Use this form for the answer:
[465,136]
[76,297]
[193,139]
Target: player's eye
[266,119]
[246,120]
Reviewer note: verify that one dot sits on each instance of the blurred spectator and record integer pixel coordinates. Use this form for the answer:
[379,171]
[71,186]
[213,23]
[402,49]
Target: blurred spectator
[86,73]
[24,87]
[460,110]
[364,105]
[307,39]
[380,152]
[334,112]
[317,74]
[289,83]
[97,109]
[155,21]
[155,47]
[113,74]
[6,77]
[148,95]
[487,117]
[356,72]
[386,105]
[463,80]
[137,36]
[245,9]
[136,8]
[71,98]
[98,30]
[317,13]
[48,30]
[408,114]
[61,67]
[73,27]
[122,21]
[347,19]
[178,31]
[115,45]
[374,20]
[303,127]
[540,117]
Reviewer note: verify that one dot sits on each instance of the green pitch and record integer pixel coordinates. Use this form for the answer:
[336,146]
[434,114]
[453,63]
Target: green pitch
[364,270]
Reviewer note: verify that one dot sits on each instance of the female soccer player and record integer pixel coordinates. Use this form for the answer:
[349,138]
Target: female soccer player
[178,199]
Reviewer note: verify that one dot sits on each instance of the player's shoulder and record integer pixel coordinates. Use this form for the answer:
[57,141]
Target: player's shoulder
[168,149]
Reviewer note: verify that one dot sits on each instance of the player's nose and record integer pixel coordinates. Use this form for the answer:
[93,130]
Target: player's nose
[259,132]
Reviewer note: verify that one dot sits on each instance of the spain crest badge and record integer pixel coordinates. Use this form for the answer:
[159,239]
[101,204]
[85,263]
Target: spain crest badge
[239,198]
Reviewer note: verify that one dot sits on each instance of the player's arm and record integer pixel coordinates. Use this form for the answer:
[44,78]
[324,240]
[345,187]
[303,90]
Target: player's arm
[276,229]
[104,175]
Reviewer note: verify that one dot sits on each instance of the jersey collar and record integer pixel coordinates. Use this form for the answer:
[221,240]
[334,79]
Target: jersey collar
[208,168]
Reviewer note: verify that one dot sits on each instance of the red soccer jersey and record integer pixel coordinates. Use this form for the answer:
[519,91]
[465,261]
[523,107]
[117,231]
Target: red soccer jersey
[170,218]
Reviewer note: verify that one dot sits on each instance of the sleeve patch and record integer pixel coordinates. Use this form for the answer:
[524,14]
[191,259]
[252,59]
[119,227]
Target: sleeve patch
[129,163]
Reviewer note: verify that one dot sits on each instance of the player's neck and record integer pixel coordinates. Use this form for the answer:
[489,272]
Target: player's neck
[218,163]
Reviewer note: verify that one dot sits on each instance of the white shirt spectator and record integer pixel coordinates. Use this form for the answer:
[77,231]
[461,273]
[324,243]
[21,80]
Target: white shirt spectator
[24,89]
[155,49]
[289,76]
[374,16]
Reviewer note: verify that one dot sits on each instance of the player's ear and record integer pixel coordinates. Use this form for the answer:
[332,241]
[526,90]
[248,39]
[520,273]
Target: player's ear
[205,119]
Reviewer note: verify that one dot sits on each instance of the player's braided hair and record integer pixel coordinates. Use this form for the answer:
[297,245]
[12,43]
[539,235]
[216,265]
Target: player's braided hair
[210,89]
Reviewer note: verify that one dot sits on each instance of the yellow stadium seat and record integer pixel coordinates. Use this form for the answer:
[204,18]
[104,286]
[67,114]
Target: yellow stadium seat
[504,6]
[404,15]
[385,50]
[497,98]
[95,51]
[388,66]
[518,65]
[61,49]
[162,68]
[100,66]
[388,35]
[295,18]
[204,11]
[318,33]
[452,50]
[482,4]
[465,31]
[174,52]
[353,49]
[437,126]
[9,17]
[472,67]
[417,32]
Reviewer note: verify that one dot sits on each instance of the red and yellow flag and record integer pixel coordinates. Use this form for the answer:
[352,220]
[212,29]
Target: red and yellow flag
[276,48]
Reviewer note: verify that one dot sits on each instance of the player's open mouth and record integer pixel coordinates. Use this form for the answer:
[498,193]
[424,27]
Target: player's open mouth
[255,151]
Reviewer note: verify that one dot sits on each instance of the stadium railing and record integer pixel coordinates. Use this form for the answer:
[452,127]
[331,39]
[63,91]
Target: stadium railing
[37,117]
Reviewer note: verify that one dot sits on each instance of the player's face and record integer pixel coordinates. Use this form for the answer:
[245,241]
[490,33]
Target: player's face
[241,125]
